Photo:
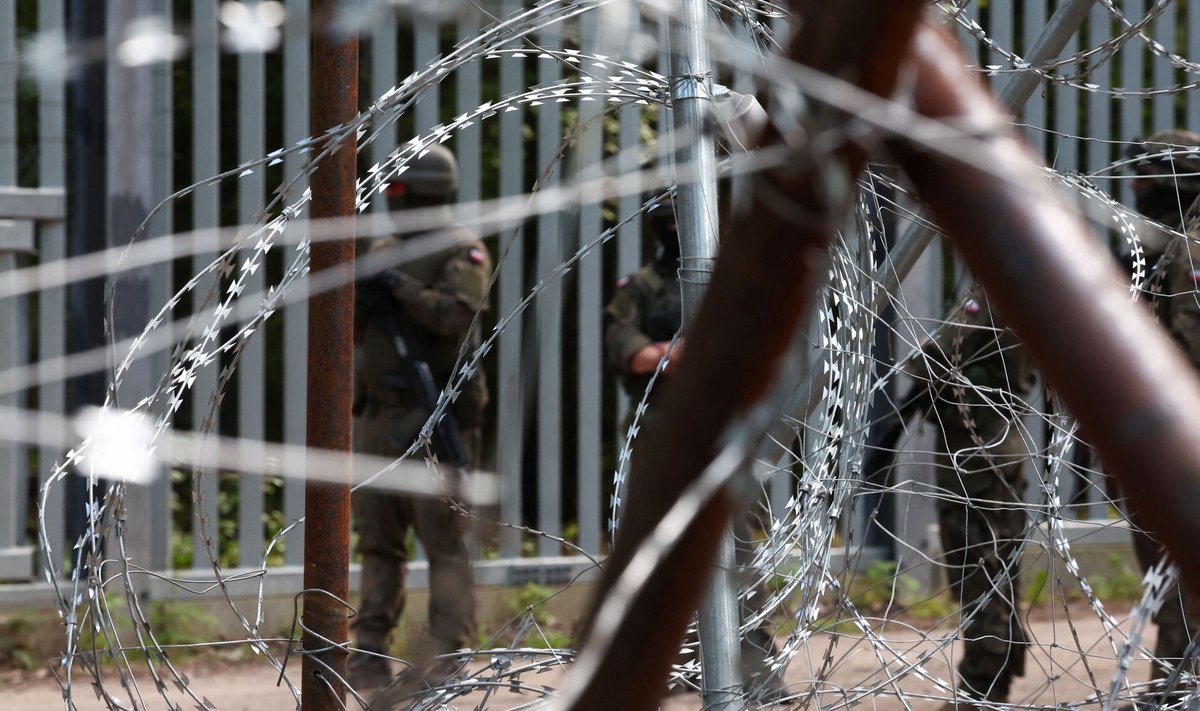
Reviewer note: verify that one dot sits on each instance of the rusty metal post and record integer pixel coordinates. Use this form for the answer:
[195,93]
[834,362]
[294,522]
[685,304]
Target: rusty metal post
[330,368]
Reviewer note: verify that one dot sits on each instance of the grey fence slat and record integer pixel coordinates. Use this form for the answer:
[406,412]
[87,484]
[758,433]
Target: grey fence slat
[629,244]
[469,141]
[1001,30]
[252,368]
[161,286]
[134,184]
[383,77]
[549,314]
[1099,103]
[12,455]
[295,316]
[425,49]
[590,292]
[11,504]
[1034,112]
[1132,59]
[8,92]
[1163,106]
[52,343]
[510,259]
[1193,51]
[206,139]
[1065,156]
[52,247]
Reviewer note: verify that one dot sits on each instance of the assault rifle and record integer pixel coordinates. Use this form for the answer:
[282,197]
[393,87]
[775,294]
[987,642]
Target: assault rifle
[374,300]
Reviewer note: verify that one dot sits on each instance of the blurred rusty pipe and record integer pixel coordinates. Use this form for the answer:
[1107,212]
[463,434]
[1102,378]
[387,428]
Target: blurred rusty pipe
[330,370]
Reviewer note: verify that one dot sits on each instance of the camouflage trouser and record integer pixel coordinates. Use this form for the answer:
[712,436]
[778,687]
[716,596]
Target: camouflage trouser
[981,525]
[1178,618]
[382,521]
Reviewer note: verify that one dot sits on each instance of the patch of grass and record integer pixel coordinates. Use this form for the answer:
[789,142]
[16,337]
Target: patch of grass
[1121,583]
[530,599]
[879,586]
[1036,591]
[18,644]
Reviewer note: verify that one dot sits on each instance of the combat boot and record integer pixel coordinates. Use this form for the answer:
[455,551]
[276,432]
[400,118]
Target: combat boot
[368,668]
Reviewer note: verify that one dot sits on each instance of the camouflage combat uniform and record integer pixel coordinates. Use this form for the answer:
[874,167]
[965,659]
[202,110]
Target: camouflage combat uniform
[1178,308]
[647,308]
[437,295]
[981,483]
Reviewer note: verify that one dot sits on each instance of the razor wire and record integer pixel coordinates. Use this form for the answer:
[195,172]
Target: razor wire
[793,558]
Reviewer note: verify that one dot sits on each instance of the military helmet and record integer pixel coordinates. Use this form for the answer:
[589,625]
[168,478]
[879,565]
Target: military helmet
[434,174]
[1182,166]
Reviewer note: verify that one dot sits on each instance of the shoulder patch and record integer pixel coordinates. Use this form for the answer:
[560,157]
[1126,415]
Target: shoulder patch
[622,282]
[1194,275]
[475,256]
[972,307]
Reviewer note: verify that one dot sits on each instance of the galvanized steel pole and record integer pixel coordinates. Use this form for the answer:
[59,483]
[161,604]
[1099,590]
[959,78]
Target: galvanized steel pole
[697,219]
[330,367]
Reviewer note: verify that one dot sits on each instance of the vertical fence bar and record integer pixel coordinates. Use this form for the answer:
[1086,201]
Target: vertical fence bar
[1065,155]
[510,259]
[469,140]
[1000,28]
[251,375]
[1193,51]
[549,312]
[12,473]
[383,77]
[52,303]
[1163,106]
[590,282]
[206,213]
[331,335]
[1132,66]
[1099,104]
[131,191]
[629,240]
[425,33]
[8,92]
[1034,110]
[295,315]
[162,179]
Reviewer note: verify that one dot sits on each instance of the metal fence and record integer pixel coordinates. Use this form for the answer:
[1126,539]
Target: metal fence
[556,415]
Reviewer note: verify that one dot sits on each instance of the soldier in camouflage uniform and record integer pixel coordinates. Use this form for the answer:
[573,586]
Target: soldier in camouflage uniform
[640,320]
[436,297]
[1165,189]
[647,310]
[964,375]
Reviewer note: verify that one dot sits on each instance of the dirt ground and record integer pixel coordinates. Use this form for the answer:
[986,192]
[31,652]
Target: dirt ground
[1072,656]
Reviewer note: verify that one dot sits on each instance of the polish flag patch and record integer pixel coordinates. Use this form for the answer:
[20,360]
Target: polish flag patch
[1195,275]
[476,257]
[622,282]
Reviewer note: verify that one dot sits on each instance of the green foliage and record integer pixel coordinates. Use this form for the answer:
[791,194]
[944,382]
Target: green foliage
[180,623]
[1122,582]
[530,600]
[936,607]
[879,585]
[1035,592]
[224,531]
[18,644]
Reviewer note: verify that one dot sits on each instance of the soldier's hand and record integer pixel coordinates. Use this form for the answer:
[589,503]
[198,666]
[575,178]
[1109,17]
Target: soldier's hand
[647,359]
